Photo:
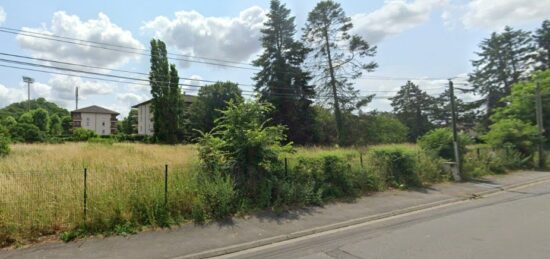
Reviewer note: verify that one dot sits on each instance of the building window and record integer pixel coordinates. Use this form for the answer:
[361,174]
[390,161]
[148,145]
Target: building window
[103,124]
[87,121]
[102,131]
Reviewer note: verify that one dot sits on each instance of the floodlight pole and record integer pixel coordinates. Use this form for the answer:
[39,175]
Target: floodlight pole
[29,81]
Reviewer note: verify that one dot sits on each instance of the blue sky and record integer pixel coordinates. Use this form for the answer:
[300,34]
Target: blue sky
[425,40]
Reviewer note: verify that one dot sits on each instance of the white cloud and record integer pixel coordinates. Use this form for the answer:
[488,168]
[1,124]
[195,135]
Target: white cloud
[394,17]
[229,38]
[10,95]
[63,88]
[2,15]
[130,99]
[97,30]
[496,14]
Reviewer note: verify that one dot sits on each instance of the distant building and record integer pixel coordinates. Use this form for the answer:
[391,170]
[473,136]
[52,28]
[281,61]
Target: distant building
[145,124]
[102,121]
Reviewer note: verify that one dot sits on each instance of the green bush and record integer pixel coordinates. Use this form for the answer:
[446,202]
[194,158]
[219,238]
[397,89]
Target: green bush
[516,134]
[395,166]
[4,145]
[82,134]
[25,132]
[105,141]
[216,198]
[439,142]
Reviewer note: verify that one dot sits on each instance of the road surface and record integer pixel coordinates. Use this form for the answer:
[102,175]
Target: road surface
[511,224]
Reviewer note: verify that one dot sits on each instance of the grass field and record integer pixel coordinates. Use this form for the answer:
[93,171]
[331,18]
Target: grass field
[42,185]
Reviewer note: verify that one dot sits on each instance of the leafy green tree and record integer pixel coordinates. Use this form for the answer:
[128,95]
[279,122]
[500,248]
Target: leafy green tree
[413,107]
[519,135]
[26,118]
[542,40]
[128,124]
[521,102]
[56,128]
[9,122]
[379,128]
[245,148]
[325,129]
[17,109]
[211,101]
[282,81]
[41,119]
[66,124]
[166,104]
[504,59]
[27,132]
[338,58]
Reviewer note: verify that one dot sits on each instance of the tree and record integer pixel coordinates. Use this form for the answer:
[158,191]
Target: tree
[166,104]
[66,124]
[504,59]
[56,128]
[379,128]
[338,58]
[211,101]
[466,112]
[17,109]
[9,122]
[27,133]
[26,118]
[413,107]
[282,81]
[128,124]
[41,119]
[521,104]
[519,135]
[542,40]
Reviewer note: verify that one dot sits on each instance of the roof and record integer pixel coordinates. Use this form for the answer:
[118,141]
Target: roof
[95,109]
[186,98]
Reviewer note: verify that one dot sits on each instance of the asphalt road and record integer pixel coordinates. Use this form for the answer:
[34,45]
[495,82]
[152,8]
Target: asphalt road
[511,224]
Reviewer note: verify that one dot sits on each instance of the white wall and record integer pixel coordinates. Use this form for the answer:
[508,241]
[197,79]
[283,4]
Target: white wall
[145,120]
[100,123]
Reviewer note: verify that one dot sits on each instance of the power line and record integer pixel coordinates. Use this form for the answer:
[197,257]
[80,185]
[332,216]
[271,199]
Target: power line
[17,31]
[119,48]
[104,68]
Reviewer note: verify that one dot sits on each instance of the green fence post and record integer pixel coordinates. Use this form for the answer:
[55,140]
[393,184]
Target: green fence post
[361,159]
[165,186]
[85,194]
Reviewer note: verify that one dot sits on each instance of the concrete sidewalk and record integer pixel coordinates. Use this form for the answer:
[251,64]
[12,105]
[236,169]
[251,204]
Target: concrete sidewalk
[265,228]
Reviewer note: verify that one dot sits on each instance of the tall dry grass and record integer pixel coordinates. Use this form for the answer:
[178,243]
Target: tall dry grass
[42,186]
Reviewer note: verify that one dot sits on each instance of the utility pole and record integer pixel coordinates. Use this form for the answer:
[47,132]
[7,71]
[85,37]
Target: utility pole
[29,81]
[540,126]
[76,98]
[458,163]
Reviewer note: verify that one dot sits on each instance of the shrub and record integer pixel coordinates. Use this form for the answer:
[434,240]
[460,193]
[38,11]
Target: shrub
[105,141]
[519,135]
[439,142]
[82,134]
[216,198]
[4,145]
[26,132]
[243,147]
[396,166]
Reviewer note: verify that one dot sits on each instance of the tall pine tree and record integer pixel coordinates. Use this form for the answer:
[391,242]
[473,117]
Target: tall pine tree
[414,108]
[166,104]
[338,58]
[542,39]
[282,81]
[504,59]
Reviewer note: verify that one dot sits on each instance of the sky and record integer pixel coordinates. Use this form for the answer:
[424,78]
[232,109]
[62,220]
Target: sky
[426,41]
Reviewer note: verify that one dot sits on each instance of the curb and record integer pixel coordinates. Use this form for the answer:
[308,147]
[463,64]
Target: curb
[276,239]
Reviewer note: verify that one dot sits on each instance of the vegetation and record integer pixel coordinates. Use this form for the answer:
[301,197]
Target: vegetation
[167,103]
[282,81]
[439,142]
[338,59]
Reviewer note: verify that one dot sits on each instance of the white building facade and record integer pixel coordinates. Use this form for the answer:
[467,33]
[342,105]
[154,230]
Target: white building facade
[102,121]
[145,115]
